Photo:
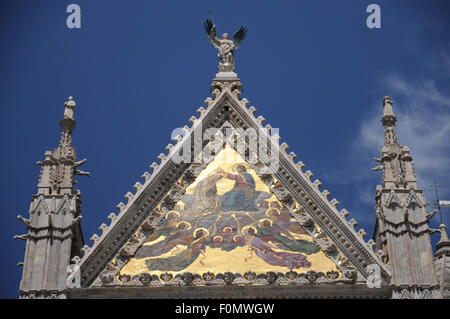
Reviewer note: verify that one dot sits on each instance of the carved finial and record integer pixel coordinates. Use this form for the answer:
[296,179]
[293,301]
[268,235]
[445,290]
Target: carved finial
[334,202]
[75,260]
[129,196]
[102,228]
[387,99]
[153,166]
[326,193]
[388,118]
[161,157]
[137,186]
[317,183]
[245,101]
[362,233]
[200,110]
[292,156]
[284,147]
[94,238]
[177,139]
[381,254]
[252,110]
[371,244]
[444,236]
[300,165]
[120,206]
[353,223]
[146,176]
[85,249]
[344,213]
[309,174]
[69,106]
[192,120]
[111,217]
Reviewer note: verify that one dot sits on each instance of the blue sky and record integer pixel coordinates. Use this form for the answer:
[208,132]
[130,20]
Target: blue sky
[139,69]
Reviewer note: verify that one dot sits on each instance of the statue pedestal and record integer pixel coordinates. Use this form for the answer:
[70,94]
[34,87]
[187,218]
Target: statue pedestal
[226,75]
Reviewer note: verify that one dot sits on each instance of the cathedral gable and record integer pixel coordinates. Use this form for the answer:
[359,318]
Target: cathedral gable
[161,198]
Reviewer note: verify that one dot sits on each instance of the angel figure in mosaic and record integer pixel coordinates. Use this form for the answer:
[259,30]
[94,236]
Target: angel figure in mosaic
[183,259]
[181,234]
[270,253]
[167,226]
[282,219]
[268,231]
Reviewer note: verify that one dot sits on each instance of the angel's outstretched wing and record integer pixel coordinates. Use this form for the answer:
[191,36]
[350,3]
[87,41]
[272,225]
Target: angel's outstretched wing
[210,30]
[239,36]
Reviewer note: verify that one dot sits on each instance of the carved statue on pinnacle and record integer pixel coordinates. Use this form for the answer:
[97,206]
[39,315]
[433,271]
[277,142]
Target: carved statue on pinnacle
[69,106]
[225,46]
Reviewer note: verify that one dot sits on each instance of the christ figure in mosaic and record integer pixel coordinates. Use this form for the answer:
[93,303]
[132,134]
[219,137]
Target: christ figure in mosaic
[243,196]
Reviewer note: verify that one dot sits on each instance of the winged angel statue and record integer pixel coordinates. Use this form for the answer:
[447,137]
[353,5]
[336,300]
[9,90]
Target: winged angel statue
[225,46]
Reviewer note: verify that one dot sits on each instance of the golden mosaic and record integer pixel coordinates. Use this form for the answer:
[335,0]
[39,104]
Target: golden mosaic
[228,221]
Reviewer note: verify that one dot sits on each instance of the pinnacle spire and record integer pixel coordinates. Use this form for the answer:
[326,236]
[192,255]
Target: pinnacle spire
[60,166]
[388,120]
[441,262]
[402,230]
[67,123]
[54,229]
[396,161]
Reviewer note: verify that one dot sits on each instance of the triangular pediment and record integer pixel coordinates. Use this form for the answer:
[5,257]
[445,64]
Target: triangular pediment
[393,201]
[412,200]
[227,221]
[136,244]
